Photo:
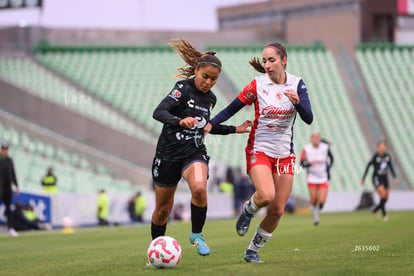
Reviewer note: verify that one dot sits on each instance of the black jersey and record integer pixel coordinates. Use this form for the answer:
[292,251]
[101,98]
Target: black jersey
[184,100]
[381,165]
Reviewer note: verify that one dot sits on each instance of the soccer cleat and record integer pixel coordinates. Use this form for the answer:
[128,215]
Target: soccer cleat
[243,222]
[316,223]
[385,218]
[376,215]
[13,232]
[251,256]
[197,240]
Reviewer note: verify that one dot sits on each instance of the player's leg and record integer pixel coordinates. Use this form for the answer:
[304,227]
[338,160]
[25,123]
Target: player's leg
[383,193]
[165,175]
[196,176]
[322,194]
[261,176]
[283,187]
[164,201]
[313,189]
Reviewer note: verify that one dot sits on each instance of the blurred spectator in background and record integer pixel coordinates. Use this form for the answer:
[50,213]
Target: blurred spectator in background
[24,218]
[136,207]
[49,182]
[243,189]
[140,206]
[7,178]
[290,206]
[178,211]
[102,208]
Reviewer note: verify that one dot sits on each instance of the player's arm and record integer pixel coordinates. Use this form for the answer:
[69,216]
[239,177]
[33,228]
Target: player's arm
[393,171]
[303,161]
[163,113]
[304,106]
[225,129]
[331,159]
[366,170]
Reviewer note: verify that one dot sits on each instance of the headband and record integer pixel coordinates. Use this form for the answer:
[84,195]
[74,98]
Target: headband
[277,49]
[209,62]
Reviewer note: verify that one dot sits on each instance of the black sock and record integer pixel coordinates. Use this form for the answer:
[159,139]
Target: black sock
[320,206]
[158,230]
[377,207]
[382,203]
[198,218]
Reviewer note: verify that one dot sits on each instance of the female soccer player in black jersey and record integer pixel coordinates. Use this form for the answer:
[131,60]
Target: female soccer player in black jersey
[381,162]
[180,152]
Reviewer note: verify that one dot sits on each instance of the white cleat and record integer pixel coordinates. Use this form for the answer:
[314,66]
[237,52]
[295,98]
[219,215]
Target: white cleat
[13,232]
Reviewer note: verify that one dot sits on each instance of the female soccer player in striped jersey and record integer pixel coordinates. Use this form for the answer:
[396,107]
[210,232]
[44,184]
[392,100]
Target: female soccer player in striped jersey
[278,96]
[317,158]
[381,162]
[181,151]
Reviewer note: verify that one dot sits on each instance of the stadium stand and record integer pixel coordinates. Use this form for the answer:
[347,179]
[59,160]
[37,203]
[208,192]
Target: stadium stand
[26,73]
[333,114]
[134,80]
[388,72]
[74,172]
[120,76]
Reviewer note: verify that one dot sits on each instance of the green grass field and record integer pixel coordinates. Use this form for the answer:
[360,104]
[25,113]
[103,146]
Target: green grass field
[296,248]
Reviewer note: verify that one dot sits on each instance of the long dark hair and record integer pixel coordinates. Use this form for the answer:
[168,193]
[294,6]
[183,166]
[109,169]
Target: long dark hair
[193,57]
[280,50]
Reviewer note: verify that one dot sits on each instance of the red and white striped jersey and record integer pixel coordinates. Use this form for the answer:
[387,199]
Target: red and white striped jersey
[318,159]
[274,114]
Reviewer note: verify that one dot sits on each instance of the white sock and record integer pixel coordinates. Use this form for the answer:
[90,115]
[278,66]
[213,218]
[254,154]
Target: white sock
[315,213]
[251,207]
[259,239]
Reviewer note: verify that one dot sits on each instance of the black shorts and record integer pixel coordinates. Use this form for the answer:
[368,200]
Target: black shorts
[167,173]
[378,180]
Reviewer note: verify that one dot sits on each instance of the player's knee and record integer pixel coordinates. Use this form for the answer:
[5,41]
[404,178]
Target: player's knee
[162,213]
[265,199]
[199,192]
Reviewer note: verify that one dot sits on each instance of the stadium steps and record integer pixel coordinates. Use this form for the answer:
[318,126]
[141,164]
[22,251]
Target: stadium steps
[55,147]
[33,157]
[387,71]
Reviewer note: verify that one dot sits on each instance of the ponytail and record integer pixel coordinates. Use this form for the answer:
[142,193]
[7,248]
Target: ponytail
[193,58]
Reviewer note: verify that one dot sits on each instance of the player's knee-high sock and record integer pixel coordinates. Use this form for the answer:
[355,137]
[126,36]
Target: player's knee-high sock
[198,218]
[251,207]
[315,213]
[377,207]
[259,239]
[158,230]
[382,204]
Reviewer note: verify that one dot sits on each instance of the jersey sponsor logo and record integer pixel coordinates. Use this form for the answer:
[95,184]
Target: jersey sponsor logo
[190,103]
[272,112]
[201,122]
[250,96]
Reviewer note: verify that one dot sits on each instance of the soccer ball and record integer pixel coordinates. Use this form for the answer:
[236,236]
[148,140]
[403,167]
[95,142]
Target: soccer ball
[163,252]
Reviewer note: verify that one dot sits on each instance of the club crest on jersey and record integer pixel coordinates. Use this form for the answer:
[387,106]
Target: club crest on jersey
[175,94]
[253,159]
[279,96]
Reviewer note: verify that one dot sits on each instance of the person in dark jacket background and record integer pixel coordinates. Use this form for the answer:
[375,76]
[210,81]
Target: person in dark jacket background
[7,179]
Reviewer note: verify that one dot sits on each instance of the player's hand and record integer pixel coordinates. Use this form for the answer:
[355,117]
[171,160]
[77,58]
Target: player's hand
[189,122]
[292,96]
[396,181]
[17,191]
[362,182]
[208,128]
[244,127]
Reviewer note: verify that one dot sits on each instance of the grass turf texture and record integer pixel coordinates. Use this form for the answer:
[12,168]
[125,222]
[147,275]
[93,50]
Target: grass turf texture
[336,247]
